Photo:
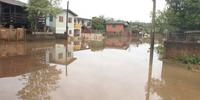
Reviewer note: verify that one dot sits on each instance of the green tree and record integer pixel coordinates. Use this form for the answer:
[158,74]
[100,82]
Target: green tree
[41,8]
[98,23]
[181,15]
[161,23]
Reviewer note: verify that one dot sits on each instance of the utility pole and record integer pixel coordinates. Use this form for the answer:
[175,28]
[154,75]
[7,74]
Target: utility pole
[149,83]
[67,18]
[153,24]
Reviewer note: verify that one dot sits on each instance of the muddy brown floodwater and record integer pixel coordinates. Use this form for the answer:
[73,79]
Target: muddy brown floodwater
[114,69]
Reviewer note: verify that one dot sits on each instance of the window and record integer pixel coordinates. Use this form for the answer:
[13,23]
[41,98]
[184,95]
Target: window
[79,21]
[113,25]
[69,20]
[70,31]
[83,22]
[60,18]
[51,18]
[60,56]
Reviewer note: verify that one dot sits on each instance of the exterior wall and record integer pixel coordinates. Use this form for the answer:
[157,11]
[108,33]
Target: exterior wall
[117,29]
[85,23]
[77,27]
[60,26]
[71,25]
[51,24]
[175,49]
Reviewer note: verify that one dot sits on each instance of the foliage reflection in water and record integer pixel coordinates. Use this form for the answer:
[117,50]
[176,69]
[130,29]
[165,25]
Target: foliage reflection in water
[112,69]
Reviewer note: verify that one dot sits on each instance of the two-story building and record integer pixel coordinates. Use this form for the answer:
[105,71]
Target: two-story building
[80,24]
[12,12]
[117,28]
[58,23]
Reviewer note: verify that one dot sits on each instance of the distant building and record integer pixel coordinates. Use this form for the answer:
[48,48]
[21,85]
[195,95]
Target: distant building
[115,27]
[13,13]
[58,23]
[86,25]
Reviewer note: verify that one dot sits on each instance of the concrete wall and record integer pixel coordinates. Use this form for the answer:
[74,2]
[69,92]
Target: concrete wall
[175,49]
[71,25]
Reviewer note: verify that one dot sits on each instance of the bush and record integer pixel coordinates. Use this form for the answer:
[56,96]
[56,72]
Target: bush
[160,50]
[189,59]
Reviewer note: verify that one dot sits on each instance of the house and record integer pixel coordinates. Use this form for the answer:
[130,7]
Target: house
[80,24]
[77,27]
[85,22]
[12,12]
[58,23]
[61,54]
[86,25]
[113,28]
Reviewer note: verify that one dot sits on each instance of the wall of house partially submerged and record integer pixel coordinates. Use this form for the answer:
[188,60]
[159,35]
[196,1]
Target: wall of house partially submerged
[177,49]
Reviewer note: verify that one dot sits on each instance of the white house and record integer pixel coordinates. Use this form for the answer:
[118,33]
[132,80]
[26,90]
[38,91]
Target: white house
[62,54]
[58,23]
[85,22]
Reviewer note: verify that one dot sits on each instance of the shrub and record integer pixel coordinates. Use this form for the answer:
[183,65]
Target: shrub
[189,59]
[160,50]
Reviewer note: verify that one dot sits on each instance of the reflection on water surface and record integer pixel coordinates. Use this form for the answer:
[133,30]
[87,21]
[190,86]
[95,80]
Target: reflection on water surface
[111,69]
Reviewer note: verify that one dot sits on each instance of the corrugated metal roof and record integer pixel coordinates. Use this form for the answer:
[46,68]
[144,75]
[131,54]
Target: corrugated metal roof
[115,23]
[14,2]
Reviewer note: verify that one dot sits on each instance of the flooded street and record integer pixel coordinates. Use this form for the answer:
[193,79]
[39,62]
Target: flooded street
[115,69]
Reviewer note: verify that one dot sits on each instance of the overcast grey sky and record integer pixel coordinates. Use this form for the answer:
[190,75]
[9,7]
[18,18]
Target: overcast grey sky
[130,10]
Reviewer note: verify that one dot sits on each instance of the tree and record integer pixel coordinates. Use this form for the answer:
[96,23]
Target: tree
[181,15]
[98,23]
[41,8]
[160,22]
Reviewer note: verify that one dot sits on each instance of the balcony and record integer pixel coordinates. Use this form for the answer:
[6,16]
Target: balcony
[77,26]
